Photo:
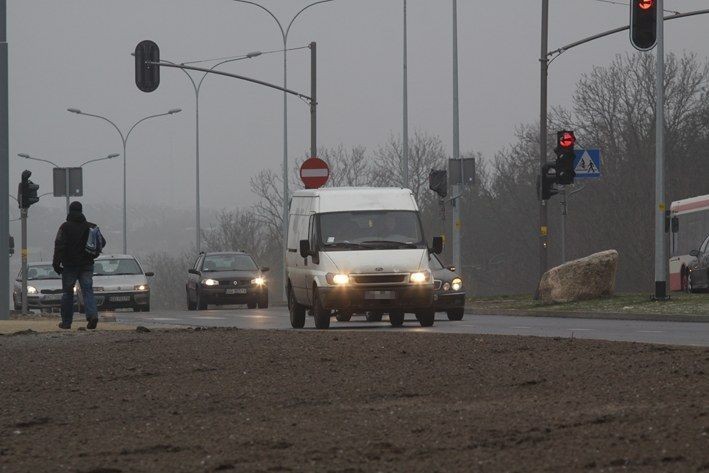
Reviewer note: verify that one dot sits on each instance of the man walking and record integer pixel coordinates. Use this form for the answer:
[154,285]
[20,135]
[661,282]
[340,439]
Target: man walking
[73,262]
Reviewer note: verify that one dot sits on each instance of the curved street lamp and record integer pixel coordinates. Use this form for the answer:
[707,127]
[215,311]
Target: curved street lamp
[197,87]
[284,36]
[27,156]
[124,140]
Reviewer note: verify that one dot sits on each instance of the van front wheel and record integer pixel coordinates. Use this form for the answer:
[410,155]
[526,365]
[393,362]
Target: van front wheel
[426,317]
[322,315]
[297,311]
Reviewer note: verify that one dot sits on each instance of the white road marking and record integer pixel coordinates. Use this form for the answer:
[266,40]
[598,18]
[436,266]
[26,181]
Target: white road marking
[581,329]
[162,318]
[521,327]
[651,331]
[208,317]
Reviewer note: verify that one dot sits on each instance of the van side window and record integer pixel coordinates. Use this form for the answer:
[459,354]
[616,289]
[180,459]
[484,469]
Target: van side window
[313,234]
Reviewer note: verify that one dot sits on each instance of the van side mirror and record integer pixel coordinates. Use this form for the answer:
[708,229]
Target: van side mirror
[305,248]
[265,269]
[150,274]
[193,271]
[437,246]
[694,253]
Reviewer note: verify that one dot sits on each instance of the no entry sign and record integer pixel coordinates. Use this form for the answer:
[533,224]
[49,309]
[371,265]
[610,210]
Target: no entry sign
[314,173]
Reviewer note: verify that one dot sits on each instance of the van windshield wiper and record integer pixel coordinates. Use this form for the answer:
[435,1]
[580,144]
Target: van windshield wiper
[391,243]
[345,244]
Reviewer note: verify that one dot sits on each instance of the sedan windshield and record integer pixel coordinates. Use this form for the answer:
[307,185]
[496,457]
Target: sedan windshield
[235,262]
[116,267]
[371,229]
[44,271]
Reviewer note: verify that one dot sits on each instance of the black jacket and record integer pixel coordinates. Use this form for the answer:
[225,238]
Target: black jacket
[70,243]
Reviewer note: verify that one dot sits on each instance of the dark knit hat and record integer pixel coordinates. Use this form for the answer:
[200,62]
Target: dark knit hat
[76,206]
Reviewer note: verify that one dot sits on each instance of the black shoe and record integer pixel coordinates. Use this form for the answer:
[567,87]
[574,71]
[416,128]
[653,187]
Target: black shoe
[92,323]
[64,325]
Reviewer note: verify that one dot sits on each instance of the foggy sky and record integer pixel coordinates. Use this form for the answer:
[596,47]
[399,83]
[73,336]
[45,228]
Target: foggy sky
[76,53]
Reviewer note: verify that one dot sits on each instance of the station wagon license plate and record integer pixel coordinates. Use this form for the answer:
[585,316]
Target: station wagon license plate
[236,291]
[119,298]
[380,295]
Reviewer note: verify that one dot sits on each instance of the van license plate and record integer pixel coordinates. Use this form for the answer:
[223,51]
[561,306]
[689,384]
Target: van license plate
[380,295]
[236,291]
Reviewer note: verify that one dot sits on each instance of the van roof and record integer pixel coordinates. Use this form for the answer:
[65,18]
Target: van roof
[336,199]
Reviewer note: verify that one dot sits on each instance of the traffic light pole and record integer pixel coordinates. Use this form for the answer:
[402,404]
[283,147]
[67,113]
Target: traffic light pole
[544,71]
[23,252]
[4,170]
[457,186]
[660,235]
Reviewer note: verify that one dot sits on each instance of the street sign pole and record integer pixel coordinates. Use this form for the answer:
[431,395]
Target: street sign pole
[660,256]
[23,252]
[66,181]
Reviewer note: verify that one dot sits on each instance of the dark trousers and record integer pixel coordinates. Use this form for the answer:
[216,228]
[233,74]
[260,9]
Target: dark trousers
[85,275]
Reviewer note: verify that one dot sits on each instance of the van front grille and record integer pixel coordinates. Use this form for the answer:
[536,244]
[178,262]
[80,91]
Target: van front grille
[379,278]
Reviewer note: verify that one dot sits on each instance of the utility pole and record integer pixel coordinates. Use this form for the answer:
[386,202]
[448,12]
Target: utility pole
[23,252]
[405,132]
[4,170]
[544,69]
[456,187]
[660,236]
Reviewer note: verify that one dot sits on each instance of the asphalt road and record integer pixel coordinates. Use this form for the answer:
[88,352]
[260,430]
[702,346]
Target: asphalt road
[276,318]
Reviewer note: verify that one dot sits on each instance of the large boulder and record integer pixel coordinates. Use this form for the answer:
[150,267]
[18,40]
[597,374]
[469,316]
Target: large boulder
[586,278]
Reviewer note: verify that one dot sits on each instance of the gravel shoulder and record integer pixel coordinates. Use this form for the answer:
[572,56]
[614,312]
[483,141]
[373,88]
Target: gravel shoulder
[350,401]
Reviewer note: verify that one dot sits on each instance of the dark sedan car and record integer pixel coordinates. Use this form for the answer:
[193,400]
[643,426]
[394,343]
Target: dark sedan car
[226,278]
[449,296]
[699,272]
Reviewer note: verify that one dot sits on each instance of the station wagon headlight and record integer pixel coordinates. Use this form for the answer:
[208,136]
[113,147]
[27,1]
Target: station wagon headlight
[210,282]
[446,287]
[31,290]
[420,277]
[457,284]
[258,281]
[141,287]
[337,279]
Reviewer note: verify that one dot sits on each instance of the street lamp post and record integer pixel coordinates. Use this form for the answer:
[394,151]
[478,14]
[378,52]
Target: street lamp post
[66,173]
[284,36]
[197,87]
[124,140]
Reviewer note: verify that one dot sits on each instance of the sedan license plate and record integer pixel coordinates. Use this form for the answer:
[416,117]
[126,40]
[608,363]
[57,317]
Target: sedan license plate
[380,295]
[119,298]
[236,291]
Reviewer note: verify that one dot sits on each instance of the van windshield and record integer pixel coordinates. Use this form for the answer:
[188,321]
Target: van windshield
[366,230]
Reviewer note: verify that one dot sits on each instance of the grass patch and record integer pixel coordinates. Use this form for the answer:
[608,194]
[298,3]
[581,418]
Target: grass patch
[633,303]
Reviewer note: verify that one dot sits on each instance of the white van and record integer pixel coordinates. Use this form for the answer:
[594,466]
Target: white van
[357,249]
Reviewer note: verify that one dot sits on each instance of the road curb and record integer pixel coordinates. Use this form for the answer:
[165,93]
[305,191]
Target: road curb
[591,315]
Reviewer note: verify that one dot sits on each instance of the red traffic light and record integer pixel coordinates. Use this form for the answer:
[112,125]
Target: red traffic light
[566,139]
[646,4]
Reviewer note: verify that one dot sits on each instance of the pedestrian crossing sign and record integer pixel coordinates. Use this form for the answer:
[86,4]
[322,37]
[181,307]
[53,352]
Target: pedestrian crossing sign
[587,163]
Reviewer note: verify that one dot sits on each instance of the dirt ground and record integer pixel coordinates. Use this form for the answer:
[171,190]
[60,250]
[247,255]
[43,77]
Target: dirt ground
[350,401]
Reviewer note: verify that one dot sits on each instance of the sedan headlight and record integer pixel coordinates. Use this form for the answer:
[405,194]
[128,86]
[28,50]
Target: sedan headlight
[31,290]
[337,279]
[446,287]
[420,277]
[141,287]
[258,281]
[457,284]
[210,282]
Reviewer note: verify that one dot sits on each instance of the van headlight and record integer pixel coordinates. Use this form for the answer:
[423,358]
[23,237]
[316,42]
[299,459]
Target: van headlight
[457,284]
[31,290]
[141,287]
[258,281]
[420,277]
[337,279]
[210,282]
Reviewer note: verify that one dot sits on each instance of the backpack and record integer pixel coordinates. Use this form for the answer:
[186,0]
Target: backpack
[95,242]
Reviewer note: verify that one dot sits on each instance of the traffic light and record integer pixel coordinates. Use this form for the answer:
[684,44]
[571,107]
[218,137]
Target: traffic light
[565,156]
[643,24]
[438,182]
[147,75]
[27,191]
[548,179]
